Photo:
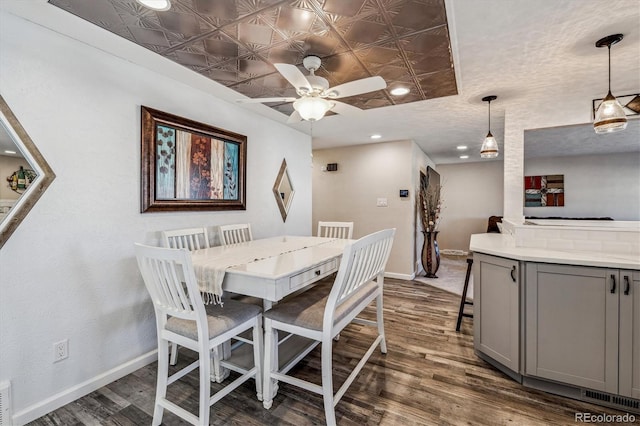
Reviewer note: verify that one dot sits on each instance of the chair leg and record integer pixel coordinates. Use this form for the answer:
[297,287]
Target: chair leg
[163,375]
[258,355]
[380,321]
[267,384]
[205,386]
[327,382]
[174,354]
[463,298]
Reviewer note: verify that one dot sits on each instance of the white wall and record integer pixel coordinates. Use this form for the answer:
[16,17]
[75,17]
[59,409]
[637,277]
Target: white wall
[366,173]
[68,271]
[594,185]
[471,192]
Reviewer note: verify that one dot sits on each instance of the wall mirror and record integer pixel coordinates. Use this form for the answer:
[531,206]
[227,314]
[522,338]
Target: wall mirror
[283,190]
[24,173]
[600,172]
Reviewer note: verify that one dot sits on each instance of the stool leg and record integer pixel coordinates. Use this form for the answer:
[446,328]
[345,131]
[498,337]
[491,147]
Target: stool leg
[464,293]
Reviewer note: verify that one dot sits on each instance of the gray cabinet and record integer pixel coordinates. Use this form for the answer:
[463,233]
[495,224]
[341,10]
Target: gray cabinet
[629,291]
[496,309]
[581,327]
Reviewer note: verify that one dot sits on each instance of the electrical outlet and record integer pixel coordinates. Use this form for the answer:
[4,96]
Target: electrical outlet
[382,202]
[61,350]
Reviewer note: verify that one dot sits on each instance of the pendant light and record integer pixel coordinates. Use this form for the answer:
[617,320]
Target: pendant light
[489,146]
[610,116]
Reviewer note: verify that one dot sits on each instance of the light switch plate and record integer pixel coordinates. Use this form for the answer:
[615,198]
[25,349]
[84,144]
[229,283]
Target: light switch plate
[382,202]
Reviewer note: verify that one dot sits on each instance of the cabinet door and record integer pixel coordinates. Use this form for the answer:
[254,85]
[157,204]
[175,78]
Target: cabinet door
[571,325]
[496,309]
[629,376]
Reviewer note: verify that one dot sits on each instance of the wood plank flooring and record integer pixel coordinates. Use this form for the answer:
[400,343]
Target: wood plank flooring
[430,376]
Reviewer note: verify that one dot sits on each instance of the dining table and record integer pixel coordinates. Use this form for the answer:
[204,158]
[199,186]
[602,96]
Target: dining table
[270,269]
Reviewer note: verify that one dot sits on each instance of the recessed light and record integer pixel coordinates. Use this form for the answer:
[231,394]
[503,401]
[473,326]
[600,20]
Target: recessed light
[376,136]
[159,5]
[399,91]
[461,147]
[464,157]
[9,152]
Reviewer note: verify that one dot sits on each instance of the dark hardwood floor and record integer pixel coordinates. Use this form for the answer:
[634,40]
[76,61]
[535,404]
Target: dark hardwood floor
[430,376]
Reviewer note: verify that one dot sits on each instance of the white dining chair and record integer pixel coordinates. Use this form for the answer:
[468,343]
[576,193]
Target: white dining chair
[324,311]
[342,230]
[182,317]
[234,234]
[190,239]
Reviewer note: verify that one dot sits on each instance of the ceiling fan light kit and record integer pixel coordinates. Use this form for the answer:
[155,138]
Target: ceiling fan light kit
[610,116]
[312,108]
[490,145]
[314,91]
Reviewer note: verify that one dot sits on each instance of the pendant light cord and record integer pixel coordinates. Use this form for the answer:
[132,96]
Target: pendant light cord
[489,117]
[609,49]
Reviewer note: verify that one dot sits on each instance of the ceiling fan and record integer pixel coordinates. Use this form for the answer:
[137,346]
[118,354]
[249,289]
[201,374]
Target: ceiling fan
[316,97]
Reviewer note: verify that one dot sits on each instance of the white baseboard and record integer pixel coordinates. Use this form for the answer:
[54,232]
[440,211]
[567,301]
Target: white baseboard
[39,409]
[454,252]
[397,276]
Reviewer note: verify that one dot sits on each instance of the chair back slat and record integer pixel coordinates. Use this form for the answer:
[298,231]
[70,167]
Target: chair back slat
[234,234]
[362,262]
[190,238]
[341,230]
[169,278]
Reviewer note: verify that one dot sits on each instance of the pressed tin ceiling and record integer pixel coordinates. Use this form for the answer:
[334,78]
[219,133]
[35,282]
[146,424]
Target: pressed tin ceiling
[236,42]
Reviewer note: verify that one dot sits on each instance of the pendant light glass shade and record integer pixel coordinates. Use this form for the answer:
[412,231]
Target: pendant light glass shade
[610,116]
[490,145]
[312,108]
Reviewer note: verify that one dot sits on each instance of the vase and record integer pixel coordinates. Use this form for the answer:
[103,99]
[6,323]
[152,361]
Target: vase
[430,253]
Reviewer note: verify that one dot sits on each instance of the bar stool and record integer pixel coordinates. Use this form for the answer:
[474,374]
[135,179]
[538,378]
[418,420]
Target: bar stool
[463,299]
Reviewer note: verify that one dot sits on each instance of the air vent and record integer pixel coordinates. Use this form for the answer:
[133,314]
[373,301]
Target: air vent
[5,404]
[626,402]
[597,395]
[612,400]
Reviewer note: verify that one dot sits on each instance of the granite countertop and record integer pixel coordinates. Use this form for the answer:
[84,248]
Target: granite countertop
[503,245]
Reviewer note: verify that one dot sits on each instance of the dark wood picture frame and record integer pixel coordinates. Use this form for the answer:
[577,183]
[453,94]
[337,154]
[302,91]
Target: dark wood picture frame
[169,179]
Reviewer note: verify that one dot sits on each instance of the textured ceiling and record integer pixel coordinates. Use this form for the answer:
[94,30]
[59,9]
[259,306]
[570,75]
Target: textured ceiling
[538,57]
[236,42]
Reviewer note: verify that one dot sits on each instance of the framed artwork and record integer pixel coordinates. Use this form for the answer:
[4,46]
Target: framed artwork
[544,191]
[186,165]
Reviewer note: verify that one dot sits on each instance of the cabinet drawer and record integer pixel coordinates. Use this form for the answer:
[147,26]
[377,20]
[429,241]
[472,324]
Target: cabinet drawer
[312,274]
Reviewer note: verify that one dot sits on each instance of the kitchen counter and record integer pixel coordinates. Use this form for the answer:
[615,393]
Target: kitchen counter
[503,245]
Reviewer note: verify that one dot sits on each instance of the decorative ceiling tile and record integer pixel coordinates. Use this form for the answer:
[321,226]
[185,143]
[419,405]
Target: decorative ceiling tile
[186,25]
[344,8]
[236,42]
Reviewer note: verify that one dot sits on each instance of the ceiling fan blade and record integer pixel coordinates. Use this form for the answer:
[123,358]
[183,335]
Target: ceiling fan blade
[293,76]
[357,87]
[260,100]
[346,109]
[294,117]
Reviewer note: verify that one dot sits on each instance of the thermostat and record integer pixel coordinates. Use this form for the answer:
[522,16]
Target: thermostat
[404,193]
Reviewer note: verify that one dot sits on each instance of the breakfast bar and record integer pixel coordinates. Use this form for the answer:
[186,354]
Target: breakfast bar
[557,307]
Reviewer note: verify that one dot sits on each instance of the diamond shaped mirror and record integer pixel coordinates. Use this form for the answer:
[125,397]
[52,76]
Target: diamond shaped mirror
[283,190]
[24,173]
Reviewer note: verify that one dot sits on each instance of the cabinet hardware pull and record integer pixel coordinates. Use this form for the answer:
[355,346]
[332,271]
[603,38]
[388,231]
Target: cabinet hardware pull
[513,277]
[627,285]
[613,283]
[318,272]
